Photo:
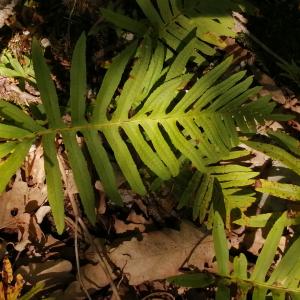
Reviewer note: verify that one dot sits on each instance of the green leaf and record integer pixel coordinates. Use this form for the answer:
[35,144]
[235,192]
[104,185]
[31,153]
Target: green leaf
[289,142]
[193,280]
[110,83]
[144,119]
[283,271]
[223,292]
[151,13]
[150,158]
[203,197]
[178,66]
[102,165]
[174,21]
[46,86]
[38,287]
[125,160]
[124,22]
[81,175]
[240,266]
[135,83]
[164,9]
[9,167]
[78,82]
[12,132]
[154,71]
[190,190]
[6,148]
[10,111]
[254,221]
[6,72]
[240,272]
[201,189]
[202,85]
[283,190]
[54,184]
[266,256]
[16,65]
[220,245]
[162,148]
[277,153]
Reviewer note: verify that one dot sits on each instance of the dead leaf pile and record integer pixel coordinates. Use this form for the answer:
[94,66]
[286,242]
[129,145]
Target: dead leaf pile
[21,207]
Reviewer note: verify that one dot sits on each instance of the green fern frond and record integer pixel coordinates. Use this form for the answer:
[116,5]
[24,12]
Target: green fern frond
[278,153]
[288,142]
[286,150]
[225,182]
[173,21]
[11,67]
[284,279]
[160,120]
[286,191]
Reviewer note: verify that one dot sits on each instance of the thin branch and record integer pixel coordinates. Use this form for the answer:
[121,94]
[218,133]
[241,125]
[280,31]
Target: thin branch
[102,260]
[76,213]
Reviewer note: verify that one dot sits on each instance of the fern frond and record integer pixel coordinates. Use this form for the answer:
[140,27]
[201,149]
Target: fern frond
[10,165]
[284,279]
[286,141]
[286,191]
[276,152]
[157,117]
[11,67]
[173,21]
[225,182]
[54,184]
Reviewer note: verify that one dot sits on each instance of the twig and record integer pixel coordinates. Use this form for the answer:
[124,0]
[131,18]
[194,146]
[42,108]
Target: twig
[76,213]
[69,22]
[102,261]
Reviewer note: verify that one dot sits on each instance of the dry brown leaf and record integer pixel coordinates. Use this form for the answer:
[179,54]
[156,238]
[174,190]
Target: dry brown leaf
[161,254]
[134,221]
[52,272]
[16,208]
[122,227]
[72,292]
[35,166]
[23,232]
[13,202]
[93,278]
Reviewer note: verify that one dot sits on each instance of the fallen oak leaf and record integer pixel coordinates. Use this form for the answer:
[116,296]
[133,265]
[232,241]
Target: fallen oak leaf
[161,254]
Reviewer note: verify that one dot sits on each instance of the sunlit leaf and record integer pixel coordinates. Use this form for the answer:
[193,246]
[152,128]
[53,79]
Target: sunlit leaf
[196,280]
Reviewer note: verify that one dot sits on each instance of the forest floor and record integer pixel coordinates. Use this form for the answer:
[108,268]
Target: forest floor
[144,233]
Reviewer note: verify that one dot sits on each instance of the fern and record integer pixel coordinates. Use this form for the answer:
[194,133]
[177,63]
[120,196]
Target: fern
[234,180]
[199,123]
[174,20]
[11,67]
[285,149]
[284,279]
[225,183]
